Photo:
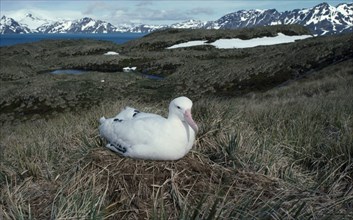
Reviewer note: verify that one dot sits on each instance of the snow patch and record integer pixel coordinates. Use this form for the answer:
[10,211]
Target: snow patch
[189,44]
[239,43]
[129,69]
[88,25]
[111,53]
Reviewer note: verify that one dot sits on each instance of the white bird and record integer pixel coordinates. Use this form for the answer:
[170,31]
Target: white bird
[149,136]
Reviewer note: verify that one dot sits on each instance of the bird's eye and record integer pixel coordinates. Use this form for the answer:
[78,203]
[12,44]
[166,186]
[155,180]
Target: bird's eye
[178,107]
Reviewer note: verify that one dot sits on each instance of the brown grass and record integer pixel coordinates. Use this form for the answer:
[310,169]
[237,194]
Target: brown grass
[283,154]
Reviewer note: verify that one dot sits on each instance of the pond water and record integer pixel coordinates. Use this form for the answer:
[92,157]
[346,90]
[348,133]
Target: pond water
[68,71]
[149,76]
[77,72]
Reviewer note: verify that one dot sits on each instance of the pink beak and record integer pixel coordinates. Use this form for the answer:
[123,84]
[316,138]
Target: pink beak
[190,121]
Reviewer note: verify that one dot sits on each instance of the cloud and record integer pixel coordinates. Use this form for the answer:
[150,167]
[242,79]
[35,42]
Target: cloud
[199,11]
[160,14]
[143,13]
[93,7]
[144,3]
[146,15]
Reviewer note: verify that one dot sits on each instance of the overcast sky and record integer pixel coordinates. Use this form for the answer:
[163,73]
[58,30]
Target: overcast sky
[146,12]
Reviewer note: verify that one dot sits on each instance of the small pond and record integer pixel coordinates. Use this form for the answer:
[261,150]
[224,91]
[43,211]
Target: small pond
[68,71]
[77,72]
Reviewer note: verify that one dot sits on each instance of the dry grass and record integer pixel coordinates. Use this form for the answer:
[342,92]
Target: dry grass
[284,154]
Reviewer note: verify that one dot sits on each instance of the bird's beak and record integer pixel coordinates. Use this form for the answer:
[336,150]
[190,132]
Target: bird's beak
[190,121]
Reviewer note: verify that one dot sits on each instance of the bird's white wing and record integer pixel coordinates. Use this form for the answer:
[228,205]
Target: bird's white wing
[129,113]
[132,132]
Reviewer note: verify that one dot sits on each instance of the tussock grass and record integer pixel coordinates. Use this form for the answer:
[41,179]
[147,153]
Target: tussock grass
[283,154]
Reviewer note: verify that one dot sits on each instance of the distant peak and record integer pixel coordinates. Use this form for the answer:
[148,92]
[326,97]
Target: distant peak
[29,15]
[192,20]
[7,18]
[323,4]
[345,4]
[86,19]
[271,10]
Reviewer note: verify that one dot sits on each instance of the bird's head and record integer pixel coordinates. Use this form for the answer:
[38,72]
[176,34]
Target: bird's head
[181,107]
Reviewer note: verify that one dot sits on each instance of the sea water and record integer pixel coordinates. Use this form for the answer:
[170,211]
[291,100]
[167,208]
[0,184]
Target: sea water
[119,38]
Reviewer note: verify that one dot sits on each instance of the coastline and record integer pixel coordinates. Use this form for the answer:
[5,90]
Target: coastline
[13,39]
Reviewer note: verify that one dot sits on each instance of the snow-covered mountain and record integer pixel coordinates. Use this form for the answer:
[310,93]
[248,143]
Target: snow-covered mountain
[84,25]
[192,24]
[321,20]
[32,22]
[140,28]
[10,26]
[246,18]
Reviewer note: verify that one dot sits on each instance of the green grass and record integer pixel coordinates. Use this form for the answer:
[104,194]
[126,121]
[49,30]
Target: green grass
[283,154]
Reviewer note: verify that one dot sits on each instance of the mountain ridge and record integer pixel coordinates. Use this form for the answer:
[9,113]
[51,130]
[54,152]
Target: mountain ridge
[322,19]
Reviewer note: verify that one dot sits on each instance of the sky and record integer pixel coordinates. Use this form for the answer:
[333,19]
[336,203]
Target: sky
[146,12]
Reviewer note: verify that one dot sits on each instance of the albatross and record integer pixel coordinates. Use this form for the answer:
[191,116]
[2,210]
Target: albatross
[141,135]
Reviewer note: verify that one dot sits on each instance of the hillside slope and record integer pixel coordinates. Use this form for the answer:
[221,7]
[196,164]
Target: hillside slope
[196,71]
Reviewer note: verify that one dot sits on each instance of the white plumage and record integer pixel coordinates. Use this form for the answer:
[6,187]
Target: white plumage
[149,136]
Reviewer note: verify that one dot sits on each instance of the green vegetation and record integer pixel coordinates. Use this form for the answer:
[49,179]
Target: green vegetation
[286,153]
